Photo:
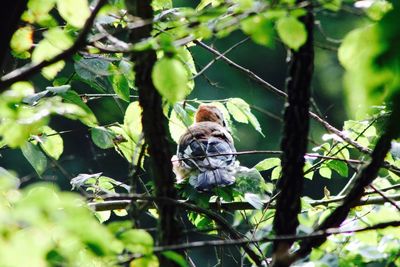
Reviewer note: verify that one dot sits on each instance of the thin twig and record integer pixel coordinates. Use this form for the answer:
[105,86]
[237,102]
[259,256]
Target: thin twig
[282,94]
[331,231]
[119,202]
[32,68]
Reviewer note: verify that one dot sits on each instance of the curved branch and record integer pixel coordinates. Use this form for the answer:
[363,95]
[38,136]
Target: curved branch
[30,69]
[363,179]
[331,231]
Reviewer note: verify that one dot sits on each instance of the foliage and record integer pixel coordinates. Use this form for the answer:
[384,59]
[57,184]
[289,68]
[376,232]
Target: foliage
[55,228]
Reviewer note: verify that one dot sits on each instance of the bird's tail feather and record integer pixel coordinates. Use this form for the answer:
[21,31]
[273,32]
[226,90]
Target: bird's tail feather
[211,178]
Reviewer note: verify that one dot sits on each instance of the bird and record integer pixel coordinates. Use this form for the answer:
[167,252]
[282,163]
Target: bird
[206,151]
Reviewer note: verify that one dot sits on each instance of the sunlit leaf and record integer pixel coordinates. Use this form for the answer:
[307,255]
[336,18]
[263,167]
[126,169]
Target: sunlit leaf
[267,164]
[38,11]
[22,39]
[75,12]
[161,4]
[51,142]
[56,41]
[325,172]
[260,29]
[175,257]
[123,143]
[276,173]
[137,241]
[121,212]
[95,72]
[35,157]
[254,200]
[241,112]
[236,113]
[339,166]
[120,84]
[178,123]
[292,32]
[171,79]
[103,216]
[103,137]
[72,97]
[147,261]
[308,174]
[133,120]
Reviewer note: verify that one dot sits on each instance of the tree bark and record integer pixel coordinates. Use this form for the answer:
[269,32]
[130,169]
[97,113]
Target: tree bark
[294,143]
[154,128]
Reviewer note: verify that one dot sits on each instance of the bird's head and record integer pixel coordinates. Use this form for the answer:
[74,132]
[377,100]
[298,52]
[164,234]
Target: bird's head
[207,112]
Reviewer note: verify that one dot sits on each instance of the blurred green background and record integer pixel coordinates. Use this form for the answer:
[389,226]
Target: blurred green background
[218,82]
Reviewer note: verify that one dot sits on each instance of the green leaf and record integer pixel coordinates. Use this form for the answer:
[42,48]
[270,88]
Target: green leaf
[236,112]
[254,200]
[276,173]
[103,137]
[161,4]
[339,166]
[103,216]
[8,180]
[170,79]
[249,181]
[72,97]
[179,121]
[22,39]
[137,241]
[123,143]
[378,9]
[120,83]
[146,261]
[325,172]
[292,32]
[133,120]
[267,164]
[260,29]
[35,157]
[175,257]
[120,212]
[75,12]
[56,41]
[51,142]
[241,112]
[306,167]
[359,127]
[94,72]
[333,5]
[186,57]
[38,10]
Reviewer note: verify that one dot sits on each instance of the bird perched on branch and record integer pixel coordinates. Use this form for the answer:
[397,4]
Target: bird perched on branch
[206,153]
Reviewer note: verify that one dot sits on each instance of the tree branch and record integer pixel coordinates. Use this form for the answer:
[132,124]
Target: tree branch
[225,226]
[264,84]
[294,143]
[363,179]
[28,70]
[115,203]
[331,231]
[154,129]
